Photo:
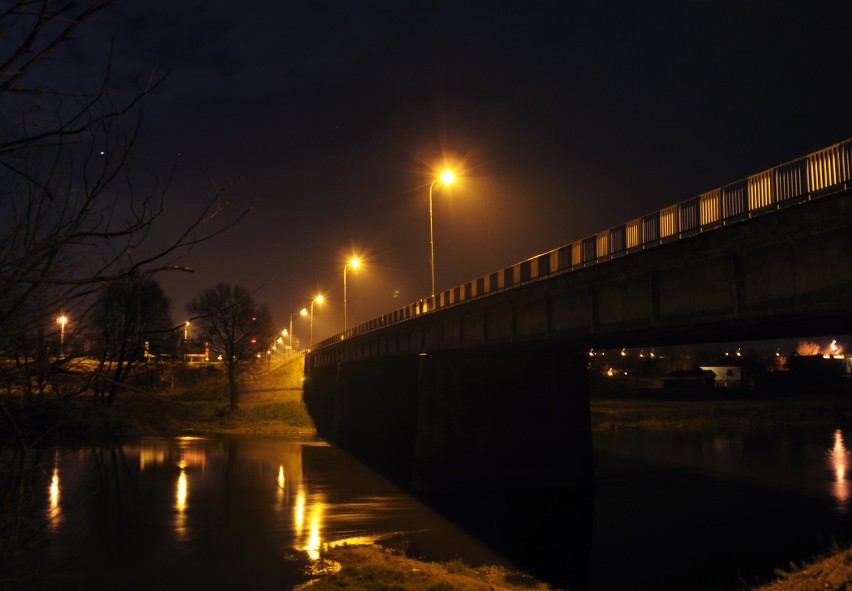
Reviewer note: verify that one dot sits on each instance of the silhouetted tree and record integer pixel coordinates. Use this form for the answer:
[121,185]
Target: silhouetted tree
[236,327]
[132,321]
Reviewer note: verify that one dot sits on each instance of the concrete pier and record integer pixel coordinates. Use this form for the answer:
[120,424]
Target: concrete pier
[472,419]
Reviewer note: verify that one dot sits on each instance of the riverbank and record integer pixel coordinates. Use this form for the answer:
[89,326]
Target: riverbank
[270,402]
[379,568]
[657,409]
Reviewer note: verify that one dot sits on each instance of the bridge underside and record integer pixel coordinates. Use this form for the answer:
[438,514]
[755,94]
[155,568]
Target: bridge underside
[472,419]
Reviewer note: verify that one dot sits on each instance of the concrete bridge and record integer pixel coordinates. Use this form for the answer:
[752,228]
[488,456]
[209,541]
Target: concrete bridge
[484,386]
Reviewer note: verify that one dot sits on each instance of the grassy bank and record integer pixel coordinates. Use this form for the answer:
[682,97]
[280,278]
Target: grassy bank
[192,401]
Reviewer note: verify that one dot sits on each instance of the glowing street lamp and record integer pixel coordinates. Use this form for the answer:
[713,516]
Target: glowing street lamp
[62,320]
[317,300]
[354,262]
[447,177]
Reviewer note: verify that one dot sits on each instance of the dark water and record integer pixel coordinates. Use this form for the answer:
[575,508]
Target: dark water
[715,511]
[667,511]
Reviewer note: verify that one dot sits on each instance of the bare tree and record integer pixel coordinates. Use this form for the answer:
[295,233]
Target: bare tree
[132,324]
[75,216]
[235,326]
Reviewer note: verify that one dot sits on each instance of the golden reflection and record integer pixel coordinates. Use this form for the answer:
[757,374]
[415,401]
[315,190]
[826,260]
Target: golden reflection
[54,515]
[180,505]
[314,544]
[299,512]
[152,454]
[184,452]
[281,489]
[838,456]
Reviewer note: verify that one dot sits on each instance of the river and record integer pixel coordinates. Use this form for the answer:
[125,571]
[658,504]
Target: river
[667,510]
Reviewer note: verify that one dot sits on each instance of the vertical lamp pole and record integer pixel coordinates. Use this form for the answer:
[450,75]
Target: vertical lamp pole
[303,312]
[354,262]
[317,300]
[446,177]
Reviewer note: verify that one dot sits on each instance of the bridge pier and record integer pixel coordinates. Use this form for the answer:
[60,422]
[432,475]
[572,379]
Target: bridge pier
[474,419]
[368,407]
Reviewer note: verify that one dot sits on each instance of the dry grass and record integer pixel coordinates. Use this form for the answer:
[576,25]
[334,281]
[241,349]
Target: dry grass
[828,573]
[376,568]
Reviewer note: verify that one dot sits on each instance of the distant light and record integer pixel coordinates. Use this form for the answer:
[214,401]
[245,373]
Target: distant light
[354,262]
[447,177]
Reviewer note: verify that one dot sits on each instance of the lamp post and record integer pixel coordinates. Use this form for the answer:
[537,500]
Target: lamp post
[446,177]
[62,320]
[317,300]
[354,262]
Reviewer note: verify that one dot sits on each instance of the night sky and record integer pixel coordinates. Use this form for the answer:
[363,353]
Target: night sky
[561,120]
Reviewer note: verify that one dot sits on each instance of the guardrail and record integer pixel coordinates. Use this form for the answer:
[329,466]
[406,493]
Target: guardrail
[821,173]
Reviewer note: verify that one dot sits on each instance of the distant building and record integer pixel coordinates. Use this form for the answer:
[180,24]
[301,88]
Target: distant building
[735,371]
[728,372]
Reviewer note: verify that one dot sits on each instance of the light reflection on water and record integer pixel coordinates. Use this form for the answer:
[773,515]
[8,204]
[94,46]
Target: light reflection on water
[203,513]
[180,506]
[54,510]
[257,513]
[838,458]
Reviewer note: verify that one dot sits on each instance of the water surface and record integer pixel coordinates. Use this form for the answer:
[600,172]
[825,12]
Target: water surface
[677,510]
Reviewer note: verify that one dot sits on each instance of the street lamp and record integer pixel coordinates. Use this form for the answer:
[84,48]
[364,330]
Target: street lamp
[317,300]
[62,320]
[354,262]
[447,177]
